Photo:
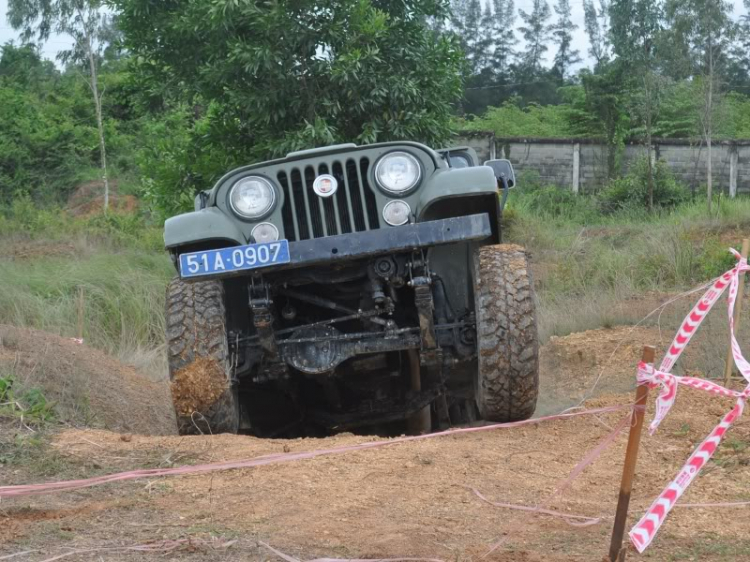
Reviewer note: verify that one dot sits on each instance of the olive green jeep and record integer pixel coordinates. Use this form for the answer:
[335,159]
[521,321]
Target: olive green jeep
[351,287]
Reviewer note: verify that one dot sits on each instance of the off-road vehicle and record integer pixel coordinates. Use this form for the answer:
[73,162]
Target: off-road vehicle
[351,287]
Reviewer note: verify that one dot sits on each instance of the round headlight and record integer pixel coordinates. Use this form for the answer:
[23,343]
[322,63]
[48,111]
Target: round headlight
[252,197]
[397,172]
[265,232]
[396,213]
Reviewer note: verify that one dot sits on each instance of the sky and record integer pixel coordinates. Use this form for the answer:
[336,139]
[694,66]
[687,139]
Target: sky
[580,41]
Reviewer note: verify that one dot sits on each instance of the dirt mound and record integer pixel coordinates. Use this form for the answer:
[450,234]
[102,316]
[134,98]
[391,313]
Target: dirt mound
[88,386]
[415,499]
[88,199]
[198,386]
[579,366]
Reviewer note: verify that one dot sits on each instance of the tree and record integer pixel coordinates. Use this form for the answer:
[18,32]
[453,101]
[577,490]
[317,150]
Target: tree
[705,30]
[535,32]
[88,25]
[604,100]
[44,142]
[562,36]
[634,28]
[282,76]
[467,21]
[595,23]
[483,57]
[504,38]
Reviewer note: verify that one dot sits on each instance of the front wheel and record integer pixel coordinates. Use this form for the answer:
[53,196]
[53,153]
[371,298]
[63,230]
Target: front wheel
[507,382]
[205,400]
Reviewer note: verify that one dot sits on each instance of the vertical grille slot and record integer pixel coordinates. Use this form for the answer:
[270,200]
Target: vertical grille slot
[291,229]
[343,199]
[302,205]
[354,189]
[330,212]
[314,204]
[370,202]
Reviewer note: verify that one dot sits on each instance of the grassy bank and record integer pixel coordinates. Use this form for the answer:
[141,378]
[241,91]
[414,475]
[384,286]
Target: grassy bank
[118,264]
[594,269]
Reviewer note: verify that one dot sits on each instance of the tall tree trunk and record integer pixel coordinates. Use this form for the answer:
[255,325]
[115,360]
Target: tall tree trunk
[709,122]
[99,121]
[650,171]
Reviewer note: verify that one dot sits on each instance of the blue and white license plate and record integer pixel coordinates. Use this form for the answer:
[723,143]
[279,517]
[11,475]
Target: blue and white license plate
[238,258]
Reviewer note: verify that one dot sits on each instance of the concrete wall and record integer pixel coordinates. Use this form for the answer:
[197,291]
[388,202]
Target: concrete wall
[581,165]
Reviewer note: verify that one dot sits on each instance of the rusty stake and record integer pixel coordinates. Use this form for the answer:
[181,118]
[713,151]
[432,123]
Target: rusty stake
[616,551]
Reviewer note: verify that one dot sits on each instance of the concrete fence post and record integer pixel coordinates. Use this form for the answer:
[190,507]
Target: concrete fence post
[576,167]
[734,157]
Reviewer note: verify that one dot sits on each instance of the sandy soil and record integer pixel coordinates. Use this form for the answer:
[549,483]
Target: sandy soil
[406,500]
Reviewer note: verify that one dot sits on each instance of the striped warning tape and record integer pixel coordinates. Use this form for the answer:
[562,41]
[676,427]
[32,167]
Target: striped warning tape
[643,533]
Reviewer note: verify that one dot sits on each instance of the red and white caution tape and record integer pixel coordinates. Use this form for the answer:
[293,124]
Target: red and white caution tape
[64,486]
[643,533]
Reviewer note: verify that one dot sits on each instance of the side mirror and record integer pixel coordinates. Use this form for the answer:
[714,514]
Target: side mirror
[503,171]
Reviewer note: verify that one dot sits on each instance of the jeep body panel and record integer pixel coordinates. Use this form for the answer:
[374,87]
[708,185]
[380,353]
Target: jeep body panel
[217,222]
[208,225]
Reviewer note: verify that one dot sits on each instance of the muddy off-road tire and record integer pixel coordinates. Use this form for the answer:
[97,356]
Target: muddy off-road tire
[507,381]
[199,367]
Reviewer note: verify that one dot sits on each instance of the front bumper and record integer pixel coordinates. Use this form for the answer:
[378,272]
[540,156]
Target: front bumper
[356,245]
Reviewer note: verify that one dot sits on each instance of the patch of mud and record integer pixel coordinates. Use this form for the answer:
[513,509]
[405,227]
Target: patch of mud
[87,386]
[196,387]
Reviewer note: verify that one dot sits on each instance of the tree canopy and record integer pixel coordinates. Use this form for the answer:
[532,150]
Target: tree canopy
[285,75]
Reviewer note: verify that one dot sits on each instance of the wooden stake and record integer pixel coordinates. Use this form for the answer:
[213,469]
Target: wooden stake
[737,311]
[79,331]
[616,551]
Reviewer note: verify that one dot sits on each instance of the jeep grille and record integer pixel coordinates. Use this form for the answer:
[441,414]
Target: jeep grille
[351,209]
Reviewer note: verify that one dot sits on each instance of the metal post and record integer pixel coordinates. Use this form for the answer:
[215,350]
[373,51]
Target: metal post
[737,312]
[616,551]
[734,160]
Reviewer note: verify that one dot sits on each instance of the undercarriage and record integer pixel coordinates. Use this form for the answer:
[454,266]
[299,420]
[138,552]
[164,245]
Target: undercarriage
[380,331]
[364,343]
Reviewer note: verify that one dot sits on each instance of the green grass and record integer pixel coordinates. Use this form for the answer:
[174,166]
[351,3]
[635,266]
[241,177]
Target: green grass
[589,262]
[118,263]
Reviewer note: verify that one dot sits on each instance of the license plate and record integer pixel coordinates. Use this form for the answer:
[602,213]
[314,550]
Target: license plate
[238,258]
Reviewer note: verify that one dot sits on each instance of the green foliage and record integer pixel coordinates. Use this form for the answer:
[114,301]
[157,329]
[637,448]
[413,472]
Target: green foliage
[678,117]
[48,137]
[267,79]
[631,190]
[181,155]
[549,201]
[512,120]
[536,33]
[42,147]
[28,405]
[734,121]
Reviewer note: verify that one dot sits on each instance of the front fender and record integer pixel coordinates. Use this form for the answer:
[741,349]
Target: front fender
[201,226]
[461,192]
[464,182]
